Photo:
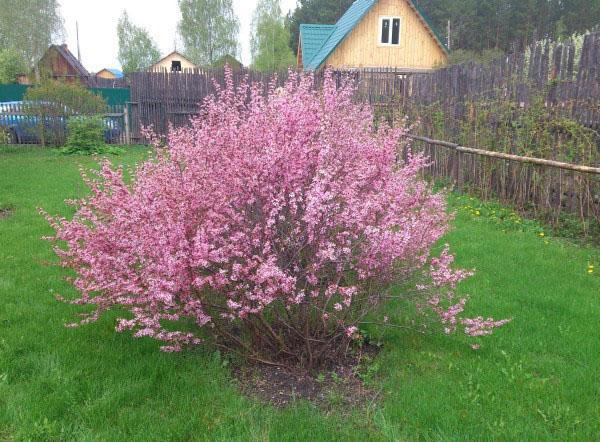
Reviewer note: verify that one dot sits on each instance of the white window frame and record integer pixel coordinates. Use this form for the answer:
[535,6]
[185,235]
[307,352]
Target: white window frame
[380,30]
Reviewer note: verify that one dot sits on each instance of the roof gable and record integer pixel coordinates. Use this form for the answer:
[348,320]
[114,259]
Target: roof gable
[312,38]
[348,22]
[342,28]
[176,53]
[64,52]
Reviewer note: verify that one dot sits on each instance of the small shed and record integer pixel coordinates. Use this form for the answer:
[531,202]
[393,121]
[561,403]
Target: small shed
[60,64]
[374,34]
[174,62]
[109,74]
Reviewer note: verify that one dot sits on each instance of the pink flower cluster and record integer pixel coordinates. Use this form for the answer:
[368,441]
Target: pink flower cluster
[289,202]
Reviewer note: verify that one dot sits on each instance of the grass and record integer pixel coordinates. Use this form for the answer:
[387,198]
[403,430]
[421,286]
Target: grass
[536,379]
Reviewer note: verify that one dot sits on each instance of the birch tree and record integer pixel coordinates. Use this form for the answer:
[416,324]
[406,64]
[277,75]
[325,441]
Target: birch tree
[208,30]
[270,37]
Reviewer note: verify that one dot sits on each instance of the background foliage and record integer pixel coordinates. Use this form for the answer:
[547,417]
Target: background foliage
[29,27]
[209,30]
[137,50]
[270,38]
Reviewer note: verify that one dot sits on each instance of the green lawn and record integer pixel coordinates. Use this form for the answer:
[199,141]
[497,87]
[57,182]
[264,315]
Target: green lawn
[536,379]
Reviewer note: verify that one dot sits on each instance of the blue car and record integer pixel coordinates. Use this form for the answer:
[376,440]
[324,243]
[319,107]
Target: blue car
[22,128]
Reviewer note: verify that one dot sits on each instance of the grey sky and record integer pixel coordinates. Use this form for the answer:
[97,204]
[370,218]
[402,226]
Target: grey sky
[98,23]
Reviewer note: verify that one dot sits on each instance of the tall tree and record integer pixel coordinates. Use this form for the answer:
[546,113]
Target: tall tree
[314,11]
[270,38]
[208,29]
[137,50]
[29,27]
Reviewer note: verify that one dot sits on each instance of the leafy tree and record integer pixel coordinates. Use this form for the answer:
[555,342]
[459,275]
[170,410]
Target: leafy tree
[137,50]
[11,65]
[208,29]
[270,38]
[228,60]
[29,27]
[314,11]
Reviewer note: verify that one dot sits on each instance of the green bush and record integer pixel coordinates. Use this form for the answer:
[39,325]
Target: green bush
[86,136]
[52,103]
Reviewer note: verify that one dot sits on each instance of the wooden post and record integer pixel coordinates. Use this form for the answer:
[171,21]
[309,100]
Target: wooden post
[127,129]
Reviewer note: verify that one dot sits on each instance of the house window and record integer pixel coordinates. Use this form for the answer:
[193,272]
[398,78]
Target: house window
[176,66]
[390,31]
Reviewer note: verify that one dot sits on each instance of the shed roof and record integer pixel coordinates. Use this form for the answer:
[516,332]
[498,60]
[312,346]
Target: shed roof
[312,38]
[116,72]
[347,23]
[63,50]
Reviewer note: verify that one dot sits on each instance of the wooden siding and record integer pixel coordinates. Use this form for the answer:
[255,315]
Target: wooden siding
[418,48]
[54,65]
[106,74]
[165,63]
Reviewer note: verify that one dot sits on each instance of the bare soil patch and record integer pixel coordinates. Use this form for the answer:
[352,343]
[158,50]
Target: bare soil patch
[339,385]
[6,211]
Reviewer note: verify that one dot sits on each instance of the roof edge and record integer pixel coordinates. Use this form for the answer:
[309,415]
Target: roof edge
[365,12]
[427,22]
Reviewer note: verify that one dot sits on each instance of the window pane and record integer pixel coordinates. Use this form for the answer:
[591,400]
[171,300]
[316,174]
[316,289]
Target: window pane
[385,31]
[396,31]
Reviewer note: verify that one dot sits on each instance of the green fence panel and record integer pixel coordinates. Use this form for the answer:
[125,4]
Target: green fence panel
[12,92]
[113,96]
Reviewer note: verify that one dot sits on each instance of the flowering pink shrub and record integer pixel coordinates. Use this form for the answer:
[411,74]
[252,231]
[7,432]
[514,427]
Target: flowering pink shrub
[277,224]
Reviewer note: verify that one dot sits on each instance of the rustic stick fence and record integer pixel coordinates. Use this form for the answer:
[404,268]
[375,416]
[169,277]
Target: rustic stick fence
[545,187]
[22,125]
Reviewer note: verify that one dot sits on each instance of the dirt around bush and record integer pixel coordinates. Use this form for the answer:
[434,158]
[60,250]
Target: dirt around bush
[340,386]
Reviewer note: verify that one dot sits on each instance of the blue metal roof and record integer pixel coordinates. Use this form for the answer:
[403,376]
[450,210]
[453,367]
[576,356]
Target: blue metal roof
[342,28]
[117,73]
[345,25]
[312,38]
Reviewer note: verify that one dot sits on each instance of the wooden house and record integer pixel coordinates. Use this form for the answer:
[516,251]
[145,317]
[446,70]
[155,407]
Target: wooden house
[374,34]
[109,74]
[60,64]
[174,62]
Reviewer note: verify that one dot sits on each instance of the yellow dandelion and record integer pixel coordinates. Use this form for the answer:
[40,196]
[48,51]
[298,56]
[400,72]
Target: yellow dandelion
[477,212]
[542,234]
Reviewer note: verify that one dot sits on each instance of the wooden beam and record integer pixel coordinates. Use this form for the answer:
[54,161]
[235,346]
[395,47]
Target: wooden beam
[509,157]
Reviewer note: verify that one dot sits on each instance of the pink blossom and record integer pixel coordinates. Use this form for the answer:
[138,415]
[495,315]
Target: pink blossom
[266,207]
[351,331]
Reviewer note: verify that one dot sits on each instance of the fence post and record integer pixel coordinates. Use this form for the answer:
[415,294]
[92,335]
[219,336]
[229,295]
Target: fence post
[459,171]
[126,118]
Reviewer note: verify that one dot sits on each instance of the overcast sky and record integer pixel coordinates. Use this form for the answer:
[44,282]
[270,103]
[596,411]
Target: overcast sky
[98,26]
